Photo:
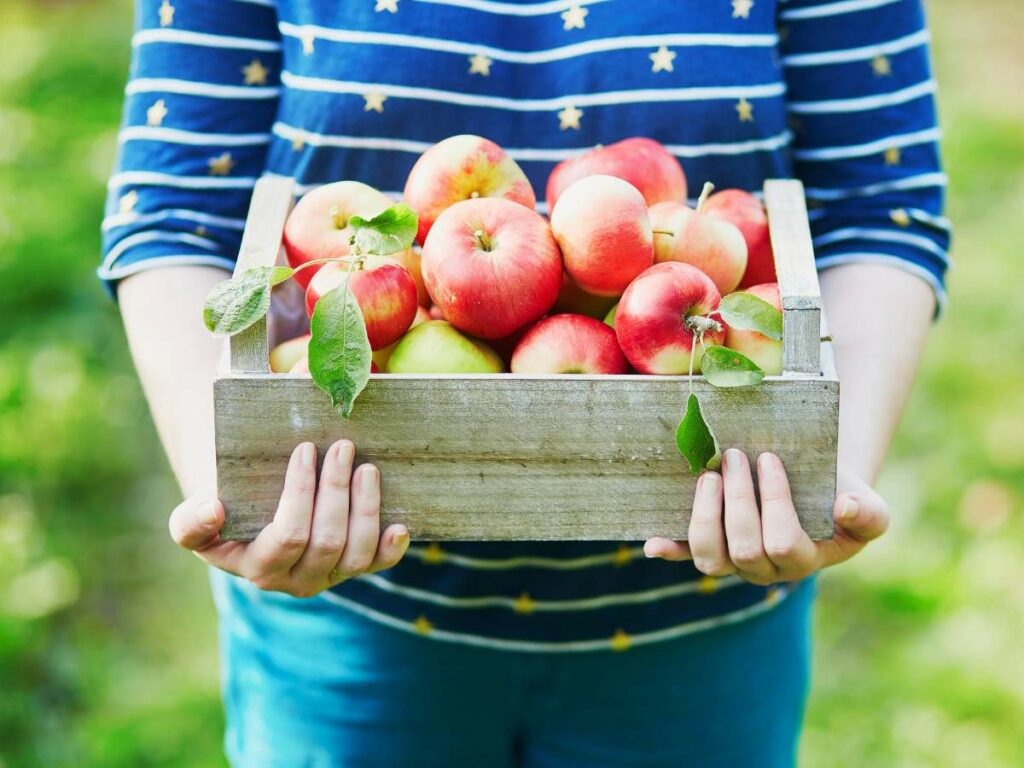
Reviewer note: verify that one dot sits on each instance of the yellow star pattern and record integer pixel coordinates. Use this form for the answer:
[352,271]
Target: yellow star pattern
[479,64]
[391,6]
[166,14]
[222,165]
[661,60]
[621,641]
[200,231]
[127,202]
[433,554]
[298,142]
[374,102]
[893,156]
[575,18]
[524,604]
[900,217]
[155,114]
[745,110]
[308,37]
[570,118]
[623,556]
[773,596]
[707,585]
[423,625]
[255,73]
[882,66]
[741,8]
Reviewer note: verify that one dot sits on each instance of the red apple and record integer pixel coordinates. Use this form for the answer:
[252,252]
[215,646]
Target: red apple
[463,168]
[574,300]
[318,225]
[766,352]
[436,347]
[412,259]
[384,290]
[644,163]
[746,213]
[435,312]
[287,353]
[382,355]
[569,344]
[653,319]
[603,229]
[492,266]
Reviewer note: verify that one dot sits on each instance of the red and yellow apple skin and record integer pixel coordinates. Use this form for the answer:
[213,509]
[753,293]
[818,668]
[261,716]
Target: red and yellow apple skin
[603,229]
[569,344]
[302,365]
[491,266]
[745,212]
[317,227]
[643,162]
[288,353]
[764,351]
[460,168]
[650,321]
[411,259]
[436,347]
[384,290]
[382,355]
[711,244]
[573,300]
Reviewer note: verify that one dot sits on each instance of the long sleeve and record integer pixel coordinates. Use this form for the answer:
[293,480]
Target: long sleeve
[861,100]
[199,106]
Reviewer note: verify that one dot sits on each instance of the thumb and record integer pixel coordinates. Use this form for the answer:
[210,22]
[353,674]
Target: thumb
[196,522]
[861,516]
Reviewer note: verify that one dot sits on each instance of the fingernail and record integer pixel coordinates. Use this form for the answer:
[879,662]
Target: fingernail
[768,462]
[710,479]
[372,473]
[731,458]
[346,452]
[307,452]
[207,513]
[849,509]
[402,540]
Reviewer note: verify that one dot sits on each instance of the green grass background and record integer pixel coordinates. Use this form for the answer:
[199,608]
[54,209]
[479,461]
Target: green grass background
[107,644]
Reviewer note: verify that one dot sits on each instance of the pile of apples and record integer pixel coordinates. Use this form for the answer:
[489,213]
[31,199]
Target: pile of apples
[607,286]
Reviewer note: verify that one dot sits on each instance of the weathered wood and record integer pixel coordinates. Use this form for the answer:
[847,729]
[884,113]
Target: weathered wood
[503,457]
[261,243]
[797,275]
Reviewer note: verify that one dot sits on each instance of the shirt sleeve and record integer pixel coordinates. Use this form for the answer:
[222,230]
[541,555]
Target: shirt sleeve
[865,136]
[199,105]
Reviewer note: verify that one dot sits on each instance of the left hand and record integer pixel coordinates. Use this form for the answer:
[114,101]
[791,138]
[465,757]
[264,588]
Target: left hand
[730,534]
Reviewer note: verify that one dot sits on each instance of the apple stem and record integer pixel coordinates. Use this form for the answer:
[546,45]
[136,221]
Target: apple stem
[700,325]
[663,232]
[705,194]
[483,242]
[339,221]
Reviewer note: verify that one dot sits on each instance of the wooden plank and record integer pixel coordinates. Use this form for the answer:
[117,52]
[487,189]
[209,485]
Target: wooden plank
[797,275]
[261,243]
[524,458]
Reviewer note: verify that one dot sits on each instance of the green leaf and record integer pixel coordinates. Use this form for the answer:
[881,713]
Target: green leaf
[237,303]
[725,367]
[390,231]
[695,440]
[339,350]
[746,311]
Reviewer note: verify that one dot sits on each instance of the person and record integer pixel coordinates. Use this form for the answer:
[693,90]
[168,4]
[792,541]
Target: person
[345,645]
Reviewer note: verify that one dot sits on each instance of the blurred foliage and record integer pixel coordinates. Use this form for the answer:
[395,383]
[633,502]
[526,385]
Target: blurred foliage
[107,639]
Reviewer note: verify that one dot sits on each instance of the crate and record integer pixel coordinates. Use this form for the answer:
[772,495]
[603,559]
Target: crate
[539,457]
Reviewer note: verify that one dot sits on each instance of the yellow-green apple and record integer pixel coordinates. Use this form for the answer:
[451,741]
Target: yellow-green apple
[492,266]
[643,162]
[746,213]
[569,344]
[610,317]
[287,353]
[302,365]
[382,355]
[460,168]
[712,244]
[764,351]
[602,226]
[437,347]
[574,300]
[661,314]
[384,290]
[317,227]
[411,259]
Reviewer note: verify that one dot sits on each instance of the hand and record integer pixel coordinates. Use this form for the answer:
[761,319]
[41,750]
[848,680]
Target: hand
[319,537]
[767,545]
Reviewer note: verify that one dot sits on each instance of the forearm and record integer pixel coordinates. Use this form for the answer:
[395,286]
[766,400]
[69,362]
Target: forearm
[879,317]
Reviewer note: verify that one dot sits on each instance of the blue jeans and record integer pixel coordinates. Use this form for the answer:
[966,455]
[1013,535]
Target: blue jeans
[308,684]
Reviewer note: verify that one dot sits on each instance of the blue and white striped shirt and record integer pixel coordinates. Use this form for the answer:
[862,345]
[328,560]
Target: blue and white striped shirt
[838,93]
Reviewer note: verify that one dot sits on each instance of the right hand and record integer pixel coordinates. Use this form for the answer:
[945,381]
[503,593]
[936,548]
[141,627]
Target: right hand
[319,537]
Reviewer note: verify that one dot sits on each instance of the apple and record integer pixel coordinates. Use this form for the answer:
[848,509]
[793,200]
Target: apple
[302,365]
[437,347]
[287,353]
[712,244]
[574,300]
[643,162]
[745,212]
[764,351]
[492,266]
[435,312]
[569,344]
[411,259]
[384,290]
[382,355]
[602,226]
[317,227]
[463,168]
[609,319]
[656,316]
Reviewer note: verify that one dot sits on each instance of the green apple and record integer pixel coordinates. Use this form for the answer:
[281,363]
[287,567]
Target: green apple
[437,347]
[610,317]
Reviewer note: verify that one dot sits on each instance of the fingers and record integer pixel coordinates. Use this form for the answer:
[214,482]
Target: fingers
[706,536]
[196,523]
[789,549]
[862,516]
[743,520]
[363,524]
[329,530]
[393,544]
[666,549]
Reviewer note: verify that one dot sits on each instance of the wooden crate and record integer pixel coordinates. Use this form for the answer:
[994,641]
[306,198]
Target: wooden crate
[503,457]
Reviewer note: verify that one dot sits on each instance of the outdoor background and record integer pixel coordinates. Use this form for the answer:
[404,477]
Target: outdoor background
[107,644]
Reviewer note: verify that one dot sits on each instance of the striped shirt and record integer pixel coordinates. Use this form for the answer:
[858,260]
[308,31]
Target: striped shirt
[838,93]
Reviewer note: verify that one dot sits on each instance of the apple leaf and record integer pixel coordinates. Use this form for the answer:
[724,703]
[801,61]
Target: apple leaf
[725,367]
[339,350]
[390,231]
[746,311]
[237,303]
[695,441]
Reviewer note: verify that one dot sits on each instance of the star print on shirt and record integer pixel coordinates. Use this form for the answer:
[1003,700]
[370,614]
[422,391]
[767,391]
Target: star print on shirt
[745,110]
[900,217]
[155,114]
[570,118]
[127,202]
[374,102]
[391,6]
[661,60]
[575,18]
[255,73]
[621,641]
[741,8]
[298,142]
[479,64]
[881,66]
[893,157]
[166,12]
[221,165]
[308,37]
